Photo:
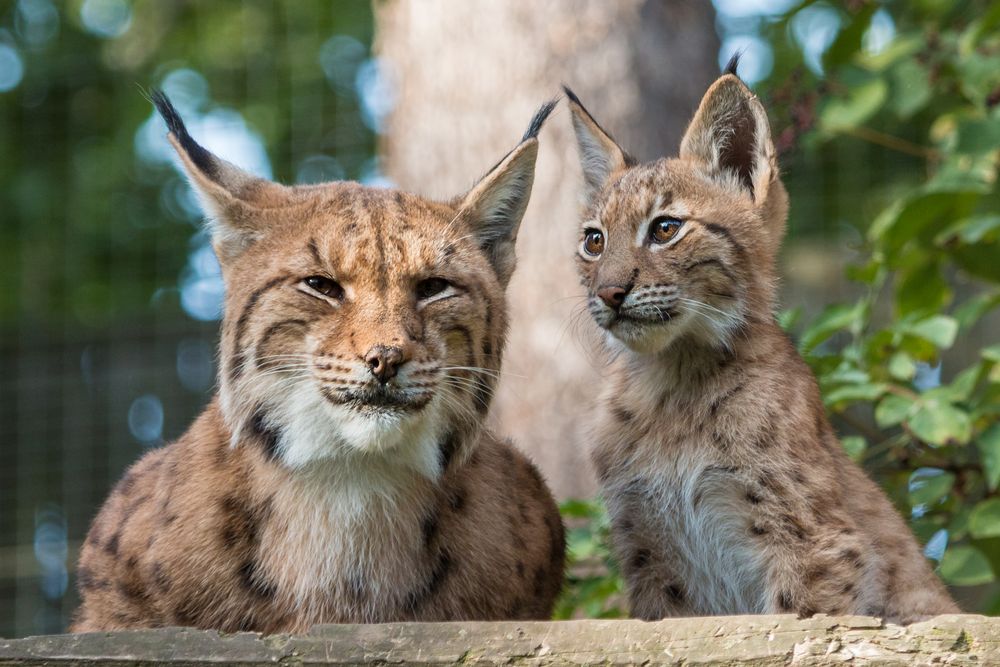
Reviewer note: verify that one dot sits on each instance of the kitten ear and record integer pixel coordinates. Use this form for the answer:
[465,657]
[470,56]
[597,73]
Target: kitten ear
[233,200]
[600,155]
[493,208]
[730,138]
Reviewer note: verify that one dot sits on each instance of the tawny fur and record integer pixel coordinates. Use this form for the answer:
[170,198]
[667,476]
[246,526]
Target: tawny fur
[727,488]
[299,496]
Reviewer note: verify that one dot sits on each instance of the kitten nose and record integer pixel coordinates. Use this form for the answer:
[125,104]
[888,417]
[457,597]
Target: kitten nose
[383,362]
[612,295]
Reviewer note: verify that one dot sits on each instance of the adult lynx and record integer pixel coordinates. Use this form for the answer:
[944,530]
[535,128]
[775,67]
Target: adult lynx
[342,473]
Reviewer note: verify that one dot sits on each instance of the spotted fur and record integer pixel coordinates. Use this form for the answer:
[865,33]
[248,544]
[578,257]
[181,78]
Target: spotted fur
[728,490]
[342,473]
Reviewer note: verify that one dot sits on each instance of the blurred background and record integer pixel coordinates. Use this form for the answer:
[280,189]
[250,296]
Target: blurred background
[886,115]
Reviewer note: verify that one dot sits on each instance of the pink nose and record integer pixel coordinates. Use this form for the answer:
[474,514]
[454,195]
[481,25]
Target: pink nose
[383,362]
[612,295]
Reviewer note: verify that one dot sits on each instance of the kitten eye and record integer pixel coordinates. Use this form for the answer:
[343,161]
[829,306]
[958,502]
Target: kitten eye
[593,242]
[663,229]
[431,287]
[325,286]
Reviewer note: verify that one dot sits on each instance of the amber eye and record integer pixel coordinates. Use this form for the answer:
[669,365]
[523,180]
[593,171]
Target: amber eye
[663,229]
[593,242]
[431,287]
[325,286]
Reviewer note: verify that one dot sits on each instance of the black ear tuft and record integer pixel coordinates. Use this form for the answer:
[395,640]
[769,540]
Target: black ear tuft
[201,157]
[733,63]
[538,120]
[572,96]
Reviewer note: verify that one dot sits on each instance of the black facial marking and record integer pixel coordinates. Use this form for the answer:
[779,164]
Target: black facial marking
[674,593]
[715,264]
[447,449]
[724,233]
[785,601]
[758,530]
[265,434]
[271,331]
[239,355]
[314,252]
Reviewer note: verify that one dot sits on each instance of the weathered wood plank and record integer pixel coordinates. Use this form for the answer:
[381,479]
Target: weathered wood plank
[733,640]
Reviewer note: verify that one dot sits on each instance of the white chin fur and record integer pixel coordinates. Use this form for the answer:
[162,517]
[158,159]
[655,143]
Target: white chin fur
[313,430]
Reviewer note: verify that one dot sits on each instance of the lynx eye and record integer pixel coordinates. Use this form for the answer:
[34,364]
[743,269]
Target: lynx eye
[325,286]
[593,242]
[431,287]
[663,229]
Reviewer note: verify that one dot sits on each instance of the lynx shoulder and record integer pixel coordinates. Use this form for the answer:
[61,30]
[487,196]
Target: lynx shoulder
[342,473]
[728,490]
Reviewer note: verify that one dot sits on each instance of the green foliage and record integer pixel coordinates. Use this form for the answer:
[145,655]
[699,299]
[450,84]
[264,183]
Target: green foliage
[593,586]
[930,273]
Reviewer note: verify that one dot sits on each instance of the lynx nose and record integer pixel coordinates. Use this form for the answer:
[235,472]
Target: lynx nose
[383,362]
[613,295]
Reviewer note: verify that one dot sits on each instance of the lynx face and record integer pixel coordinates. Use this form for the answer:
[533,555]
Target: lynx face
[681,246]
[359,319]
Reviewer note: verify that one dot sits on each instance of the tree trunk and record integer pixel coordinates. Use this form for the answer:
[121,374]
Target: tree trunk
[468,75]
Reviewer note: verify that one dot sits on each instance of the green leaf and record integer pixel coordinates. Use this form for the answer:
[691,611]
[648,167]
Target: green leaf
[929,485]
[985,519]
[860,104]
[991,353]
[833,319]
[853,393]
[911,88]
[855,446]
[902,366]
[979,135]
[974,308]
[937,329]
[892,410]
[906,218]
[965,566]
[922,288]
[980,260]
[939,423]
[988,444]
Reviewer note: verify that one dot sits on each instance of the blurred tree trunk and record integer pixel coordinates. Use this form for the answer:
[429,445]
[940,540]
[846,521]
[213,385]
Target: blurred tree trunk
[469,74]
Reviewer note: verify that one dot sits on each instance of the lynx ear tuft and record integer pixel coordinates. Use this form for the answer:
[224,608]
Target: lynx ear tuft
[233,199]
[600,155]
[538,120]
[494,207]
[734,62]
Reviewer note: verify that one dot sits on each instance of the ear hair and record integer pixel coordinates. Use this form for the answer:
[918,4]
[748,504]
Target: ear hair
[232,199]
[730,138]
[600,154]
[494,207]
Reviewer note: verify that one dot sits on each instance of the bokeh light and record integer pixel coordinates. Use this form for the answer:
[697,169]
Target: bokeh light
[106,18]
[145,419]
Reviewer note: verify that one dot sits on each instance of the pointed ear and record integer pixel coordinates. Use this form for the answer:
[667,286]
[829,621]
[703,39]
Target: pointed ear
[493,208]
[600,155]
[234,201]
[730,139]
